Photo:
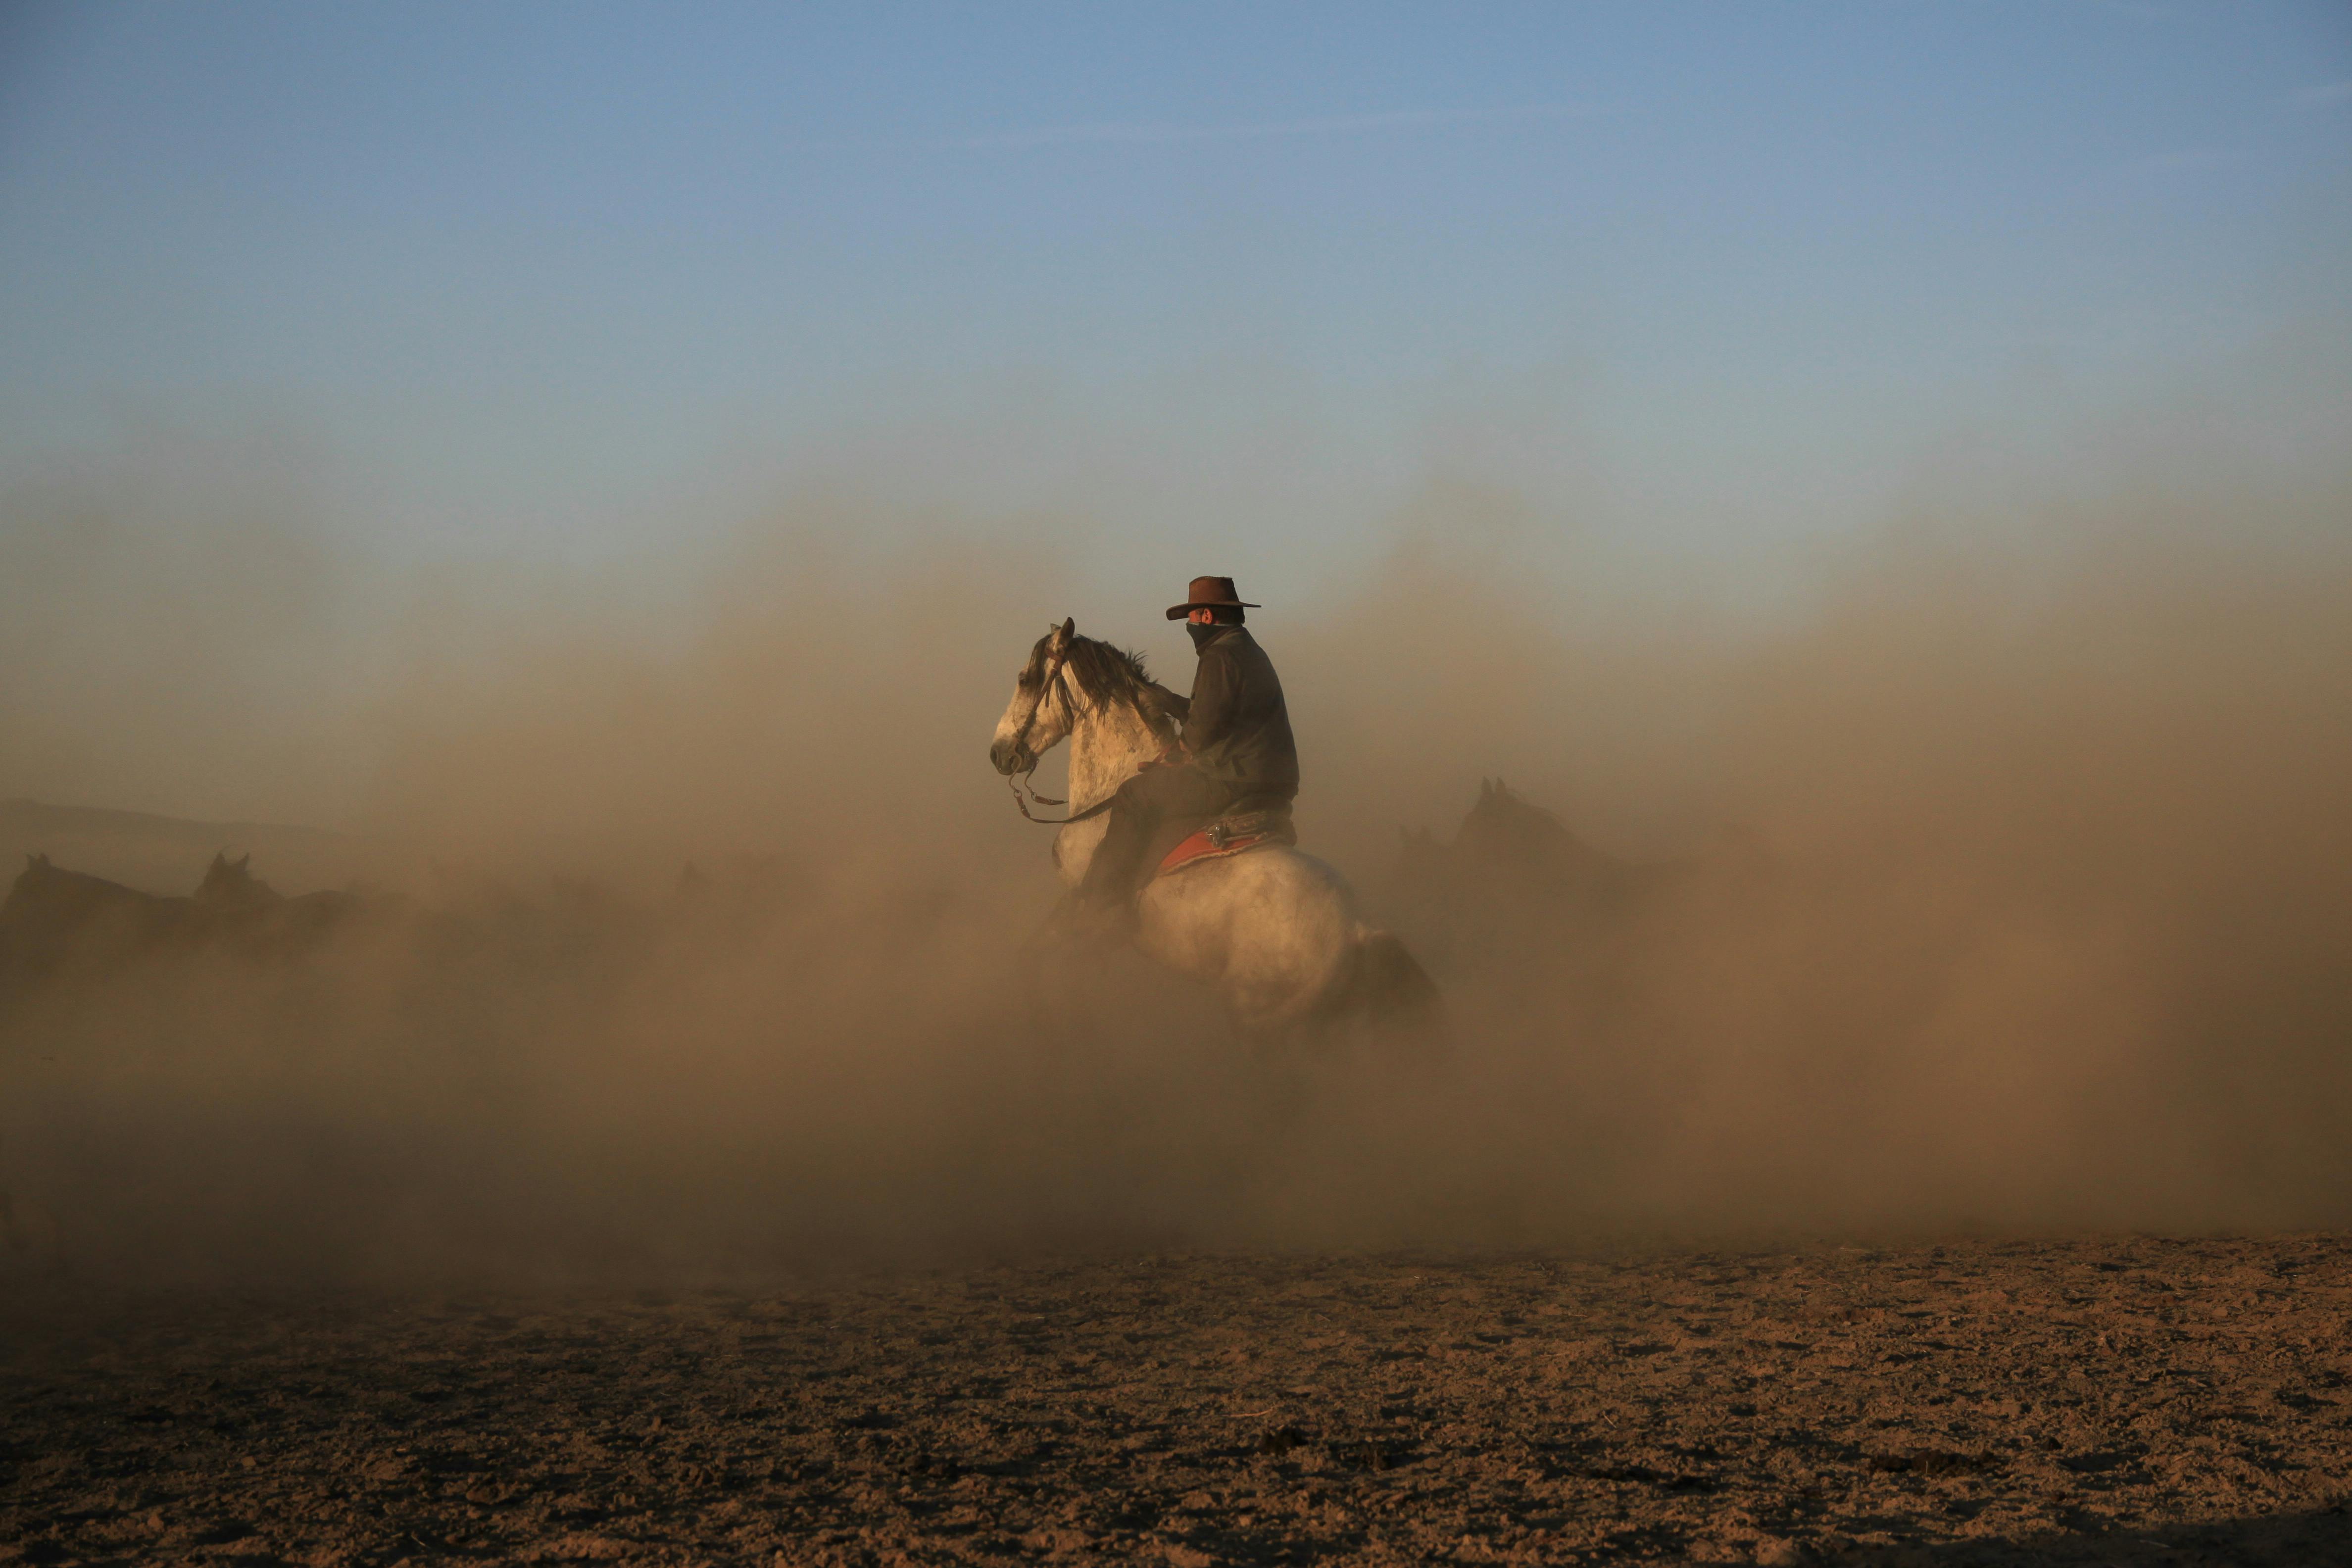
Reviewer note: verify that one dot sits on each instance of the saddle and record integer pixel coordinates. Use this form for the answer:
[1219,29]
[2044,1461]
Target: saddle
[1234,833]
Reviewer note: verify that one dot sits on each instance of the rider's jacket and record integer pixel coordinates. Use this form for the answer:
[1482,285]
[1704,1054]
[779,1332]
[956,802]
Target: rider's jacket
[1238,731]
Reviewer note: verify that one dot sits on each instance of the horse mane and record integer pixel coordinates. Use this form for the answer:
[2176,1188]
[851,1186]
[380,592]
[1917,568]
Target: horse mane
[1112,674]
[1117,673]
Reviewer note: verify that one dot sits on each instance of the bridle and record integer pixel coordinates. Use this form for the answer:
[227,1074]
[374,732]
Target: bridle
[1014,781]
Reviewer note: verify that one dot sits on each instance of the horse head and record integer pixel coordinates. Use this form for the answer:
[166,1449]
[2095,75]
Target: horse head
[232,883]
[37,871]
[1040,715]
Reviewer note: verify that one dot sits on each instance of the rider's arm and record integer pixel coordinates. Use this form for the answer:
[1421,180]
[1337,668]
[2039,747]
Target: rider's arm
[1172,754]
[1213,690]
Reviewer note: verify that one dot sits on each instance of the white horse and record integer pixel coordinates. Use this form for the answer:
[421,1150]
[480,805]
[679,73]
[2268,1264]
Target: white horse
[1275,933]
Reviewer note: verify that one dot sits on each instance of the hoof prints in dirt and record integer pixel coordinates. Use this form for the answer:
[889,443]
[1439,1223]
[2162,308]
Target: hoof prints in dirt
[2127,1402]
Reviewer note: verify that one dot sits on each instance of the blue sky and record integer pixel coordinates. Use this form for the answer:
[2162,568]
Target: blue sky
[1707,284]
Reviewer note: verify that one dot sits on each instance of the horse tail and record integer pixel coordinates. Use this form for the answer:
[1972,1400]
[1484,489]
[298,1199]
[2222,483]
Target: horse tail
[1389,985]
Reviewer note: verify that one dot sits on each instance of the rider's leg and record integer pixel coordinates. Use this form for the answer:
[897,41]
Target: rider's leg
[1143,804]
[1135,812]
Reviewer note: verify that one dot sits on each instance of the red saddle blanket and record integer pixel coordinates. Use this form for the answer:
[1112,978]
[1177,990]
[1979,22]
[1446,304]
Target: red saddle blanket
[1228,835]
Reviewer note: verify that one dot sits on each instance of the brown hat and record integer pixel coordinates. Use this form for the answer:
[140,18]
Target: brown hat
[1208,594]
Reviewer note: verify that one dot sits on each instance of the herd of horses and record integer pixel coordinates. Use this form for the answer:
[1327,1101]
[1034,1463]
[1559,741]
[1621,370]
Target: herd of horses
[56,922]
[59,926]
[1276,935]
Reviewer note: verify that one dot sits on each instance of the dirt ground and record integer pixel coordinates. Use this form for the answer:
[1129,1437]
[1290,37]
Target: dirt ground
[2116,1400]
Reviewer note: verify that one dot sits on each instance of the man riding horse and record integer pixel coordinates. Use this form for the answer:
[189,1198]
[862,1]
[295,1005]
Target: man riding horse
[1236,757]
[1178,835]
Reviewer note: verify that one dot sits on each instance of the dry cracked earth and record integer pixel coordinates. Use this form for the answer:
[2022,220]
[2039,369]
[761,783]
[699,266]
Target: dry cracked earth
[2129,1400]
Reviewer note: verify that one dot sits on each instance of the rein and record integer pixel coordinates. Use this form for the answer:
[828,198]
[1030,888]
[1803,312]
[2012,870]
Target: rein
[1014,781]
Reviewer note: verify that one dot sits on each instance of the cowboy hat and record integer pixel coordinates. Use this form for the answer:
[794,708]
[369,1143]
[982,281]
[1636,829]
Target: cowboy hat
[1209,593]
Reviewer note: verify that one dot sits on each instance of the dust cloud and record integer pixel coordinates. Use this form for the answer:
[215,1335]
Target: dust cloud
[1995,884]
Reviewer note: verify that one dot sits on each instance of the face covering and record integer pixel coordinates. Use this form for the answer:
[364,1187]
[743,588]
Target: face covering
[1201,635]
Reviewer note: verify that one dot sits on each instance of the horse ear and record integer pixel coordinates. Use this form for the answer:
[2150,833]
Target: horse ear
[245,860]
[1065,631]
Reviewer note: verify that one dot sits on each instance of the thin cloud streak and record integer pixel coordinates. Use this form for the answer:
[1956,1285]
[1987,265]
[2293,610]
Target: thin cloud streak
[1326,125]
